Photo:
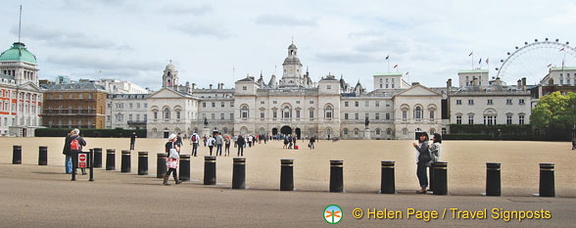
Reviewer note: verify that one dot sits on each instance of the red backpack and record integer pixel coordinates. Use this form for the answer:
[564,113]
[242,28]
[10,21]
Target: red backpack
[75,145]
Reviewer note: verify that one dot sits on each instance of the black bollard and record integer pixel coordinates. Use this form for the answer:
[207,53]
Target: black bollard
[431,177]
[161,165]
[388,182]
[110,159]
[97,157]
[43,155]
[440,178]
[16,154]
[126,164]
[287,175]
[184,167]
[239,173]
[209,170]
[336,176]
[493,182]
[143,163]
[547,180]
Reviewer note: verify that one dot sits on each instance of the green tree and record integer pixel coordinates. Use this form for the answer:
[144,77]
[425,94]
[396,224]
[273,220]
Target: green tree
[555,112]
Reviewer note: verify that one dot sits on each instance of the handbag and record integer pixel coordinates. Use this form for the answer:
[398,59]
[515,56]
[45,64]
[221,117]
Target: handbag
[172,153]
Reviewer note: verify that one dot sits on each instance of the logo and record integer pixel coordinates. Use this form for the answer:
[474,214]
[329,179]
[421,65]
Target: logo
[332,214]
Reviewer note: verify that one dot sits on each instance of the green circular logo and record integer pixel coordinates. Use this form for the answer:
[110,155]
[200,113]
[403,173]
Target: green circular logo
[333,214]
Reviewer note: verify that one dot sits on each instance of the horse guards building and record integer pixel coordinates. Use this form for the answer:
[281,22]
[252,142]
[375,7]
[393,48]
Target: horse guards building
[290,104]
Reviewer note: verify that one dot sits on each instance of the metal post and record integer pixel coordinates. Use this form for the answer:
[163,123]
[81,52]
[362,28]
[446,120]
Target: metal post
[336,176]
[388,182]
[110,159]
[239,173]
[440,178]
[126,163]
[493,182]
[161,165]
[184,167]
[91,164]
[547,180]
[43,155]
[143,163]
[97,157]
[16,154]
[209,170]
[287,175]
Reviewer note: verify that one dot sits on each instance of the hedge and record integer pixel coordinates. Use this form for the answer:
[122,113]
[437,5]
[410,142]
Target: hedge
[104,133]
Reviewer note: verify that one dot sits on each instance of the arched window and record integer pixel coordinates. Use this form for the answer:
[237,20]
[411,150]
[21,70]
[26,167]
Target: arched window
[244,113]
[378,131]
[418,113]
[328,112]
[286,112]
[166,113]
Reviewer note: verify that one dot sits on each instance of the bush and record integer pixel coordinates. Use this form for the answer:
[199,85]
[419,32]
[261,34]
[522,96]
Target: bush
[104,133]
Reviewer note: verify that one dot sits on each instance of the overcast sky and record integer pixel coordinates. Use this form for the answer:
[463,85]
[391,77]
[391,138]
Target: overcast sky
[221,41]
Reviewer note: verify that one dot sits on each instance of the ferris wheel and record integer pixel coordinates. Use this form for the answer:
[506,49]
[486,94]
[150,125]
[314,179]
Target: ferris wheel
[533,60]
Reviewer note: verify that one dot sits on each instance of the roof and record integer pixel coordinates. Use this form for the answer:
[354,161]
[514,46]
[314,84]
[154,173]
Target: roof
[85,86]
[18,52]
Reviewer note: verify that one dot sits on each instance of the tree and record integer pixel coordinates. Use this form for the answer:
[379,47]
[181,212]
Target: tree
[556,113]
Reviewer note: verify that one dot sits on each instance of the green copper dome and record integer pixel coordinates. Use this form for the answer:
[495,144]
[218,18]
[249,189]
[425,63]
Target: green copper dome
[18,52]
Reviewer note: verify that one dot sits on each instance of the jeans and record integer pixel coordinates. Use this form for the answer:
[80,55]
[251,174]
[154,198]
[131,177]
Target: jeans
[422,175]
[68,164]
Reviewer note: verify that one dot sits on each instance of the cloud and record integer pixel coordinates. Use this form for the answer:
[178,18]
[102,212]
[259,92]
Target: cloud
[100,63]
[285,20]
[194,29]
[68,39]
[346,57]
[186,10]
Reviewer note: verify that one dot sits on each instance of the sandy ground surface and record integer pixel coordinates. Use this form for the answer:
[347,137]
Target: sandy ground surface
[44,196]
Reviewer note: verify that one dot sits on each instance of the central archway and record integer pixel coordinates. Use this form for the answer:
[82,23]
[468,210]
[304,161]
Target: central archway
[286,130]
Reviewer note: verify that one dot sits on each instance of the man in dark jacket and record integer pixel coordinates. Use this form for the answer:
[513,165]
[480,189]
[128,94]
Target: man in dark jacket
[240,141]
[66,151]
[76,144]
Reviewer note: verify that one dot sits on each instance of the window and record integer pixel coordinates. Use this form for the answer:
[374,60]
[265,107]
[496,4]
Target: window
[328,112]
[521,119]
[470,102]
[311,102]
[366,115]
[508,101]
[328,87]
[274,114]
[432,115]
[377,104]
[298,114]
[418,113]
[508,119]
[356,103]
[404,115]
[521,101]
[213,104]
[377,116]
[345,103]
[489,120]
[345,116]
[366,104]
[231,116]
[232,104]
[213,116]
[244,88]
[471,119]
[490,102]
[178,115]
[203,104]
[311,113]
[166,114]
[458,119]
[261,115]
[458,102]
[222,104]
[244,112]
[155,115]
[387,115]
[286,112]
[356,116]
[261,102]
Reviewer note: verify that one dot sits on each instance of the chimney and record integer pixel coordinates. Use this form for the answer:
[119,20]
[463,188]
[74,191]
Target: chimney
[194,86]
[415,83]
[524,83]
[519,83]
[222,85]
[210,86]
[449,83]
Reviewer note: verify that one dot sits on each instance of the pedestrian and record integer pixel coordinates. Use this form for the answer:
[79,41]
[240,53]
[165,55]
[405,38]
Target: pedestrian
[435,152]
[240,141]
[194,141]
[574,143]
[210,142]
[422,161]
[76,144]
[179,139]
[285,142]
[67,153]
[227,145]
[132,140]
[219,144]
[173,150]
[294,139]
[312,142]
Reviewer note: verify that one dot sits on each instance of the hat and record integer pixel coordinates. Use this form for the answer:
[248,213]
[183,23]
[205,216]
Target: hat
[172,136]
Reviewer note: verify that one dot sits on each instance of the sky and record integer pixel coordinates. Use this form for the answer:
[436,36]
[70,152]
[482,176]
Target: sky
[221,41]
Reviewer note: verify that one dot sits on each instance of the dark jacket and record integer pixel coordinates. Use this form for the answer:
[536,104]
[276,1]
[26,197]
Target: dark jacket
[81,141]
[240,141]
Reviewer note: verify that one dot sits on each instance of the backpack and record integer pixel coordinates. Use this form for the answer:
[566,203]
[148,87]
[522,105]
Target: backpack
[75,145]
[193,138]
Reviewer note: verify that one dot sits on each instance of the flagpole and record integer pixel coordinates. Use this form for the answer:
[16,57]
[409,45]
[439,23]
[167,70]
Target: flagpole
[20,24]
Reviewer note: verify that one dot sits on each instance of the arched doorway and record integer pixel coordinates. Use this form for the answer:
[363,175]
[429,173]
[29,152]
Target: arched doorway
[298,133]
[286,130]
[274,132]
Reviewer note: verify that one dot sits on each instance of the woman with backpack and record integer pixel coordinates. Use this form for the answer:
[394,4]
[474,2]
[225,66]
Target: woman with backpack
[423,160]
[173,150]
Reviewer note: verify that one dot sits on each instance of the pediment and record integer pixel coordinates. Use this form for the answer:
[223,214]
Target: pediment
[418,90]
[166,93]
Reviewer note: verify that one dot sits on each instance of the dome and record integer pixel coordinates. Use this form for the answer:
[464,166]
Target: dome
[170,66]
[18,52]
[292,46]
[292,60]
